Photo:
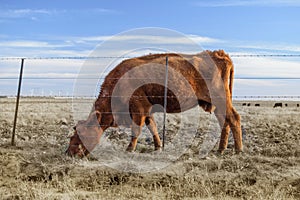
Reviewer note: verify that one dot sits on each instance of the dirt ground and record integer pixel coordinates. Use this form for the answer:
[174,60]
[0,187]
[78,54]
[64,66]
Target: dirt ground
[37,168]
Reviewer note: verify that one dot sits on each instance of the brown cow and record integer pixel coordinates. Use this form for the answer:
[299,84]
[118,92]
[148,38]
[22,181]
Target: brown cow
[126,98]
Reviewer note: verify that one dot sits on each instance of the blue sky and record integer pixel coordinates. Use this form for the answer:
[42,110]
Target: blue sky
[34,28]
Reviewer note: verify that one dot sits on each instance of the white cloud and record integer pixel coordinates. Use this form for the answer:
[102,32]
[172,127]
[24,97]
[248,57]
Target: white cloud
[264,88]
[30,44]
[29,11]
[41,75]
[18,13]
[149,39]
[83,46]
[201,39]
[250,67]
[270,47]
[258,67]
[34,48]
[104,11]
[44,68]
[33,14]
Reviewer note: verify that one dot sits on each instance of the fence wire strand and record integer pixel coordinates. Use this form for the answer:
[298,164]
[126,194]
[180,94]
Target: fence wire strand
[101,77]
[121,57]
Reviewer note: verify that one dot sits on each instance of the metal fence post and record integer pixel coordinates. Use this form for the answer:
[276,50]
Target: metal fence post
[17,103]
[165,102]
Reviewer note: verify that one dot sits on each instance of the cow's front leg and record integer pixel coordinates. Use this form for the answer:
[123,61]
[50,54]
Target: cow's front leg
[136,129]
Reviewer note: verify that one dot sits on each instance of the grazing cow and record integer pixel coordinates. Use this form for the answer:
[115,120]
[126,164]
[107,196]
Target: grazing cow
[297,104]
[286,105]
[205,75]
[244,104]
[249,104]
[277,105]
[257,105]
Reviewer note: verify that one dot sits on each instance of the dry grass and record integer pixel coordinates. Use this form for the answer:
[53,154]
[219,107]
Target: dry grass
[38,169]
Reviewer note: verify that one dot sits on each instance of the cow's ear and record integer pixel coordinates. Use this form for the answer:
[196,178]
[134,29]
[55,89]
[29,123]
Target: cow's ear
[98,115]
[95,117]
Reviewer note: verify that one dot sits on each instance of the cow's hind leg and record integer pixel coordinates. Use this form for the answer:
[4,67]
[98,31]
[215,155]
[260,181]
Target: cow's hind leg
[234,121]
[225,131]
[137,123]
[230,121]
[153,129]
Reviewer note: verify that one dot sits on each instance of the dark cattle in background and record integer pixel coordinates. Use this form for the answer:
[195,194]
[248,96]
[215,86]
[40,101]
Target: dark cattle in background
[277,105]
[297,104]
[249,104]
[244,104]
[286,105]
[257,105]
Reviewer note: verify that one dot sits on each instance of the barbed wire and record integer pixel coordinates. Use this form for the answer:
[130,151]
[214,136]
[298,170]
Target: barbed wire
[124,57]
[267,97]
[120,57]
[85,99]
[64,58]
[265,55]
[103,78]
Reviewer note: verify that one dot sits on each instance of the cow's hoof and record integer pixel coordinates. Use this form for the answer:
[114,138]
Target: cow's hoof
[239,152]
[220,152]
[158,149]
[130,149]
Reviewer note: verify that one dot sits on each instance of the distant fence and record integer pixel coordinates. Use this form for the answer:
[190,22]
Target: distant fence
[266,97]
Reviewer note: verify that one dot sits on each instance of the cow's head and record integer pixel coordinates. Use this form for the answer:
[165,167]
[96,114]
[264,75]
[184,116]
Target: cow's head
[86,136]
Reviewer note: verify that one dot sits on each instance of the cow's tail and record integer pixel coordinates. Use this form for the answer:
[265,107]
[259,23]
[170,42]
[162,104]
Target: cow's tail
[231,77]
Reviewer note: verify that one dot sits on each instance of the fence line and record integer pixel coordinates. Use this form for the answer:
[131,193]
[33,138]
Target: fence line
[64,58]
[102,78]
[266,97]
[110,57]
[22,59]
[77,98]
[265,55]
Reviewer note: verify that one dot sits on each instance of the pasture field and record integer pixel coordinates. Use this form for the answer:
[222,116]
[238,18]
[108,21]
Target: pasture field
[37,168]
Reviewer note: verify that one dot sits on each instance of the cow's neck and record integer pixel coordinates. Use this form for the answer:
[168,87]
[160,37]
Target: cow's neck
[103,105]
[103,102]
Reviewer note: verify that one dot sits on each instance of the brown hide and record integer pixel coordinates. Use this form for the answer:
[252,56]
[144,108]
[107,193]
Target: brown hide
[130,91]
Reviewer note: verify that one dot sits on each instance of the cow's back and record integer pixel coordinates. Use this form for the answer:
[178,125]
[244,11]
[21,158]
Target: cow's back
[189,78]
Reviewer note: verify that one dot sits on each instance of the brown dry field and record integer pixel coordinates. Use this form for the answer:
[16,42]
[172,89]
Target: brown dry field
[37,168]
